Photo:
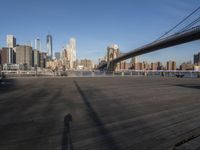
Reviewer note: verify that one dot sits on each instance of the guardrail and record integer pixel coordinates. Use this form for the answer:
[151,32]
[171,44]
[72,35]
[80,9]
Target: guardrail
[124,73]
[26,73]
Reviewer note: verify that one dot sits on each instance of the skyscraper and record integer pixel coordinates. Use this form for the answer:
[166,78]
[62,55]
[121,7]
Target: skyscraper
[71,52]
[36,58]
[37,44]
[87,64]
[24,55]
[72,45]
[11,41]
[197,59]
[7,56]
[4,55]
[0,56]
[49,46]
[42,58]
[171,65]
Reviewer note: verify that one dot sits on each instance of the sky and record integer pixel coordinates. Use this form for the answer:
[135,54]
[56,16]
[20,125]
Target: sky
[97,24]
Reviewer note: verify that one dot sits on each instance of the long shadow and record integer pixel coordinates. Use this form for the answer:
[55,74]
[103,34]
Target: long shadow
[66,138]
[6,85]
[108,139]
[193,86]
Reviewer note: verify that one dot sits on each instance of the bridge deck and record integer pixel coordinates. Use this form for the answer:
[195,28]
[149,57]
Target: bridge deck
[172,40]
[106,113]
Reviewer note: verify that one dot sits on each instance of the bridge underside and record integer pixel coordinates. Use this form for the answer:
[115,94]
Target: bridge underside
[111,66]
[173,40]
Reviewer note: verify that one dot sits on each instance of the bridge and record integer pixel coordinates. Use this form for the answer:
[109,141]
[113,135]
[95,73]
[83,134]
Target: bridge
[172,40]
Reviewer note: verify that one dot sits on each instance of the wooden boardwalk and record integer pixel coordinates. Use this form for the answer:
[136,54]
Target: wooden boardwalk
[118,113]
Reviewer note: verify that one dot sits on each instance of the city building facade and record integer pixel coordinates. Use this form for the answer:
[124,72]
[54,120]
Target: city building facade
[49,46]
[187,66]
[87,64]
[42,59]
[197,59]
[24,55]
[171,65]
[11,41]
[36,58]
[71,49]
[37,44]
[0,56]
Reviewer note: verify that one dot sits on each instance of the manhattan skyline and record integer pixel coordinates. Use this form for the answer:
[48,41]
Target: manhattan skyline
[96,25]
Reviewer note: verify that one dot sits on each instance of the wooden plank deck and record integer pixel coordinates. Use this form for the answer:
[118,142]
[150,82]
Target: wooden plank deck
[100,113]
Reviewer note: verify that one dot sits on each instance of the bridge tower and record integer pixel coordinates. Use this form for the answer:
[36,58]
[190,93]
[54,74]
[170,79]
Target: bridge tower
[112,53]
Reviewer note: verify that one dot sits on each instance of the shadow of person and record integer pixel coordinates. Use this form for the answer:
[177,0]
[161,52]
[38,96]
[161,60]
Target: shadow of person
[6,85]
[66,138]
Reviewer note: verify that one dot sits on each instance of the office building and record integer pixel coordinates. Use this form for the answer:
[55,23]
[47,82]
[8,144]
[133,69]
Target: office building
[24,55]
[4,55]
[0,56]
[154,66]
[71,52]
[37,44]
[54,64]
[11,41]
[49,47]
[42,58]
[87,64]
[159,66]
[187,66]
[171,65]
[72,46]
[123,65]
[197,59]
[11,56]
[145,65]
[36,58]
[8,56]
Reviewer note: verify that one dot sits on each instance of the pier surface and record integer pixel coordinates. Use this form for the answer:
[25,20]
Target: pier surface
[111,113]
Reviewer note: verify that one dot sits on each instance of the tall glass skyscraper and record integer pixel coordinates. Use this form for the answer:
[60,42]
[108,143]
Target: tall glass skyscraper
[72,46]
[38,44]
[11,41]
[49,46]
[71,52]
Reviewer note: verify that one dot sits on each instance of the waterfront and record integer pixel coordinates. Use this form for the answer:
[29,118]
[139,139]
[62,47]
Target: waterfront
[99,113]
[123,73]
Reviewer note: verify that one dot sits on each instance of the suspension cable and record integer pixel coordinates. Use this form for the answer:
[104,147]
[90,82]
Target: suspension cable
[179,23]
[190,25]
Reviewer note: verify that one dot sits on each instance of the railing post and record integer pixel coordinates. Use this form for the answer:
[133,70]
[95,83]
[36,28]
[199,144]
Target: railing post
[122,73]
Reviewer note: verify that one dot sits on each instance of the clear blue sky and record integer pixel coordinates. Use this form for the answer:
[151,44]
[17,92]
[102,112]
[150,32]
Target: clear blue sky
[98,23]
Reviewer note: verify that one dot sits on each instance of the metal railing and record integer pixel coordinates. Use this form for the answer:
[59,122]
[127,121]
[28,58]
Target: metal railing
[123,73]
